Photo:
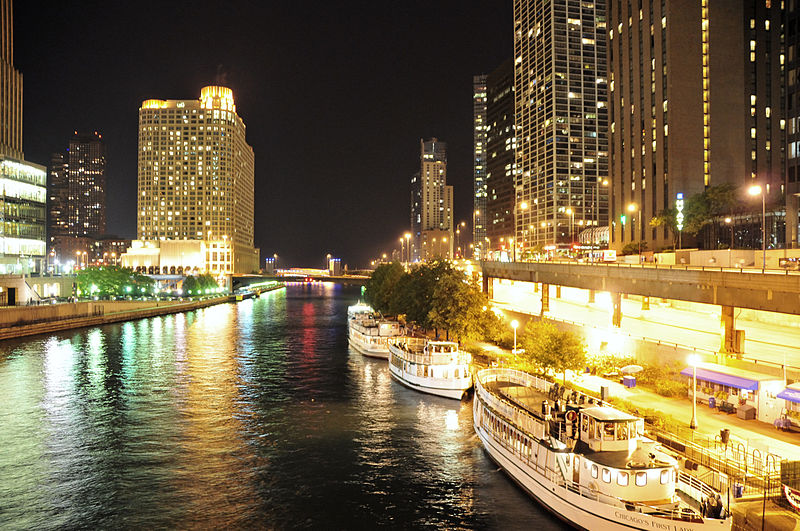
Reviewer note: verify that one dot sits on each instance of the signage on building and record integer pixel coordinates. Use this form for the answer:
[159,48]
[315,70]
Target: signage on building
[679,208]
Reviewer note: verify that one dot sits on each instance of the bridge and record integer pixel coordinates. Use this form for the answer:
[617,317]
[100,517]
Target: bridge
[240,281]
[756,289]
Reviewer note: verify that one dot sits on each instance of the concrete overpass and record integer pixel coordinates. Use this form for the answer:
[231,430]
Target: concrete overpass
[245,280]
[767,290]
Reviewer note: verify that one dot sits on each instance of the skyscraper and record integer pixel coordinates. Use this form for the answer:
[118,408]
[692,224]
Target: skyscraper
[196,179]
[695,98]
[432,204]
[479,163]
[24,191]
[561,119]
[792,121]
[500,161]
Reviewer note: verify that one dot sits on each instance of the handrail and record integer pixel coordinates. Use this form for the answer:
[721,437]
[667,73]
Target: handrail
[682,267]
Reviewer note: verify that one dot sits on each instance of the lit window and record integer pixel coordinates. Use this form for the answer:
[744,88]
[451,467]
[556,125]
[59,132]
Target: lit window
[594,471]
[665,476]
[622,479]
[641,479]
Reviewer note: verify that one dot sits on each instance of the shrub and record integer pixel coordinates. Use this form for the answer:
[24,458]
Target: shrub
[670,388]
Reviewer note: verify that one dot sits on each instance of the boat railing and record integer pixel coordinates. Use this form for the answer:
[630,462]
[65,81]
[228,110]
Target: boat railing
[411,351]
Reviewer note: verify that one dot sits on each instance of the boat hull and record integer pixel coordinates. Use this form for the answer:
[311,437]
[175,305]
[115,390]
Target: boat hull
[428,387]
[374,351]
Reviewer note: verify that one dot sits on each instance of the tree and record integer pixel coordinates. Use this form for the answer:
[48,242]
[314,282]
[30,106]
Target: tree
[552,349]
[381,287]
[633,248]
[112,281]
[457,306]
[667,218]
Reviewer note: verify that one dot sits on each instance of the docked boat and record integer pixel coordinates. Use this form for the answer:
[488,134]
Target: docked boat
[588,464]
[435,367]
[370,335]
[358,311]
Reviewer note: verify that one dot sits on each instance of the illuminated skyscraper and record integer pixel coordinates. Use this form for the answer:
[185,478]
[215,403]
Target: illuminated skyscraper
[479,163]
[695,101]
[23,191]
[432,204]
[196,179]
[561,119]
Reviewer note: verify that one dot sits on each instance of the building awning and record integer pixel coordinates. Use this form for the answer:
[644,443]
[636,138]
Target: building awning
[792,395]
[722,379]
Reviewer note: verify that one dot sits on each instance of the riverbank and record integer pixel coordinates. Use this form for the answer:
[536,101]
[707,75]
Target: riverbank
[29,321]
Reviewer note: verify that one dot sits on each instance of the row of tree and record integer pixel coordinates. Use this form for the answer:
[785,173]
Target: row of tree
[437,296]
[199,285]
[106,281]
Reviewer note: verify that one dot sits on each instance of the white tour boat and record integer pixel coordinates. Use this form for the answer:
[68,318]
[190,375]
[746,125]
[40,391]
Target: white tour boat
[370,336]
[589,465]
[435,367]
[358,311]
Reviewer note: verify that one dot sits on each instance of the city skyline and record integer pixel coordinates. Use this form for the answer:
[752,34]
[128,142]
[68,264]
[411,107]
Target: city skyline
[311,127]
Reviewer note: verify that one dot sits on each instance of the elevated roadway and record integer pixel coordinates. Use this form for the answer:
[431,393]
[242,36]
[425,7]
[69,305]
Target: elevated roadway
[756,289]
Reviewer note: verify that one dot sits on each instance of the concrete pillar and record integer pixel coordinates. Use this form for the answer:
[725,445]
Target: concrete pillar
[536,287]
[558,292]
[732,340]
[591,296]
[545,298]
[616,317]
[645,303]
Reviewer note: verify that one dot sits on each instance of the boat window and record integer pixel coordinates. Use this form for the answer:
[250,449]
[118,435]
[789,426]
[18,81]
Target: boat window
[641,479]
[622,431]
[622,479]
[606,475]
[594,471]
[584,423]
[592,428]
[608,431]
[665,476]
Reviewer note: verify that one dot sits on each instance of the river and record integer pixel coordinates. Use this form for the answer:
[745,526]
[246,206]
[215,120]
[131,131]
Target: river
[248,415]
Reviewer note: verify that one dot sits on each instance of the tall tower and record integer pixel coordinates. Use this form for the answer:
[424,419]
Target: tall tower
[501,144]
[22,240]
[695,101]
[11,95]
[432,204]
[479,164]
[561,119]
[196,178]
[86,181]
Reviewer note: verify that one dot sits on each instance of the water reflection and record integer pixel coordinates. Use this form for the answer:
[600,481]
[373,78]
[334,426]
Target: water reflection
[246,415]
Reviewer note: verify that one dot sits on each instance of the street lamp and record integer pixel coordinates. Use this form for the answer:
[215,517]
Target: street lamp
[407,235]
[729,221]
[756,190]
[633,207]
[571,215]
[514,325]
[693,360]
[401,249]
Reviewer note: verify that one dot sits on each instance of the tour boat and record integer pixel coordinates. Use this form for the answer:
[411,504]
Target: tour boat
[358,311]
[588,464]
[370,335]
[435,367]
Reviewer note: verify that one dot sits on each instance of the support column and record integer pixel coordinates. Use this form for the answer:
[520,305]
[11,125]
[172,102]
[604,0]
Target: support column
[616,317]
[645,303]
[487,286]
[591,296]
[545,298]
[732,339]
[558,292]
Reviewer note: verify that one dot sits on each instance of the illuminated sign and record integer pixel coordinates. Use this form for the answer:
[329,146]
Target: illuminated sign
[679,208]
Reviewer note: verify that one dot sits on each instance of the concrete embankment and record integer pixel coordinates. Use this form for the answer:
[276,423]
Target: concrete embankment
[28,321]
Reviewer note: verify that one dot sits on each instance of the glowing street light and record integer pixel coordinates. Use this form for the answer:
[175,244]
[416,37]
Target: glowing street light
[633,207]
[514,325]
[756,190]
[693,360]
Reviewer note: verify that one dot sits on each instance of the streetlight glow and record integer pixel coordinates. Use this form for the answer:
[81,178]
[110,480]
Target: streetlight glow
[693,360]
[514,325]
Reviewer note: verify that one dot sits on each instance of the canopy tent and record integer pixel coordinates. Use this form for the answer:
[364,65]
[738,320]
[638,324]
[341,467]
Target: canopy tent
[792,395]
[738,382]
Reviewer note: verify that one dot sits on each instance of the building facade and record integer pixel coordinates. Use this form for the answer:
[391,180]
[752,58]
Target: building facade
[561,120]
[695,101]
[196,180]
[479,164]
[23,185]
[501,165]
[431,204]
[792,117]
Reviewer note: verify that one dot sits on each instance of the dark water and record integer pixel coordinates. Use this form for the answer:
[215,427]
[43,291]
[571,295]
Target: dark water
[253,415]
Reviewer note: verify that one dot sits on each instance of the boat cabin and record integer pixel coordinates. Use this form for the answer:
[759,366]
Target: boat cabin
[441,347]
[605,429]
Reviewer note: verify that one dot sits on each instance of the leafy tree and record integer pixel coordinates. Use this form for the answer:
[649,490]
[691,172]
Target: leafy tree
[381,286]
[633,248]
[108,281]
[552,349]
[457,306]
[667,218]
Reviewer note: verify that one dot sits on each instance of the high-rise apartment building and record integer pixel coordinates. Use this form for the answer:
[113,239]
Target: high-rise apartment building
[479,164]
[561,119]
[23,194]
[196,187]
[501,165]
[792,119]
[432,204]
[695,99]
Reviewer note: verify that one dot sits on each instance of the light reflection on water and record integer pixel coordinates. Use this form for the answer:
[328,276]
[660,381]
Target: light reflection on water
[246,415]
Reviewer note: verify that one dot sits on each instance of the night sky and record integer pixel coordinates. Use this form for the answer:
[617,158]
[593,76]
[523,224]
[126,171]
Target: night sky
[335,96]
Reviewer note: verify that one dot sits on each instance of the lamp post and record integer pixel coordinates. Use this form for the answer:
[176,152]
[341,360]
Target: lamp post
[571,215]
[407,236]
[693,361]
[514,325]
[756,190]
[513,249]
[633,207]
[729,221]
[401,249]
[477,246]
